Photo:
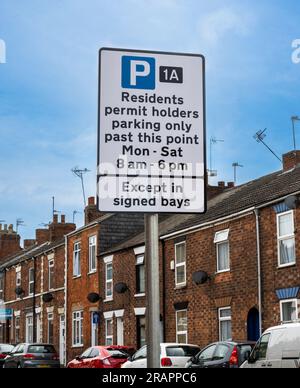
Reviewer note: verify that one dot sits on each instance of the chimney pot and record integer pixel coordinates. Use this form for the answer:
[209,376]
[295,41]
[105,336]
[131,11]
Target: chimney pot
[63,219]
[231,185]
[221,184]
[55,219]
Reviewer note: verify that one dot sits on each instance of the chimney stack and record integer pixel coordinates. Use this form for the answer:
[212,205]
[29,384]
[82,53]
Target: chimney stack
[291,160]
[91,212]
[9,241]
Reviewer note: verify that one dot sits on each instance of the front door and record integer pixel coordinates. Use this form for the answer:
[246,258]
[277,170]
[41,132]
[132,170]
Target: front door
[253,325]
[120,332]
[62,339]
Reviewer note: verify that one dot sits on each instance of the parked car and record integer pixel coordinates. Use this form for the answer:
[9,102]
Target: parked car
[98,357]
[4,351]
[32,356]
[226,354]
[279,347]
[172,356]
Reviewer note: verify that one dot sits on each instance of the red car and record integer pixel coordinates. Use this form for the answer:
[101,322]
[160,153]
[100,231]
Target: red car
[98,357]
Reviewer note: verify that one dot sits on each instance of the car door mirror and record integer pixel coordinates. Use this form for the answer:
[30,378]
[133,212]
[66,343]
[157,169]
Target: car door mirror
[79,358]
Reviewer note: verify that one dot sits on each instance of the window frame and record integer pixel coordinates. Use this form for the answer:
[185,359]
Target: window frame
[77,319]
[109,281]
[92,269]
[31,281]
[77,259]
[27,327]
[282,302]
[224,319]
[138,266]
[218,242]
[51,276]
[182,332]
[285,237]
[183,264]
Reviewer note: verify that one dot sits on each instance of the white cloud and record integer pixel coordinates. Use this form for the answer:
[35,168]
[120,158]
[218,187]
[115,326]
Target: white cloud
[215,25]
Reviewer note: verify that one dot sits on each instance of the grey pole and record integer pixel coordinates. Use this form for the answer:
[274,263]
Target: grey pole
[153,294]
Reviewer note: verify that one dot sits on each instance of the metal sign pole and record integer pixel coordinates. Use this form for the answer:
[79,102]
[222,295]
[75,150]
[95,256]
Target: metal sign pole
[153,294]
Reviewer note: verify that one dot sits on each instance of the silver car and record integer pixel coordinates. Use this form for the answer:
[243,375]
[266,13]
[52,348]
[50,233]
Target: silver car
[33,356]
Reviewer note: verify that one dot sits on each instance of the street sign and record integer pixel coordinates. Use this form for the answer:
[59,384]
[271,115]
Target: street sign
[151,135]
[6,314]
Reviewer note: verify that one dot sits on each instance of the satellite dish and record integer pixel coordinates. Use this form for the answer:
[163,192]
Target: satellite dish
[19,291]
[93,297]
[47,298]
[121,288]
[200,277]
[292,202]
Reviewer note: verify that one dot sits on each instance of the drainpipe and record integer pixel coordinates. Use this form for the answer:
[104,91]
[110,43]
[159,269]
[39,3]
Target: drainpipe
[257,216]
[164,287]
[34,301]
[66,301]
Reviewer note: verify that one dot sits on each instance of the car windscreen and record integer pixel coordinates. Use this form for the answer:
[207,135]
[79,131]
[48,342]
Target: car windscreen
[41,349]
[114,353]
[6,348]
[182,351]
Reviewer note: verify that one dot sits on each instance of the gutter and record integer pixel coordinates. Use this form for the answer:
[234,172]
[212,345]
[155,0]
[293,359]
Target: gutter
[259,277]
[223,219]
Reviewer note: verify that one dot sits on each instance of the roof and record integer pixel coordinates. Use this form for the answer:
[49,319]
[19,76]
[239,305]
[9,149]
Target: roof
[29,253]
[255,193]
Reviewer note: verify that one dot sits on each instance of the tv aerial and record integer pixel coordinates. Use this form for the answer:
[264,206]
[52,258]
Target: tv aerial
[235,166]
[79,173]
[260,138]
[213,141]
[19,222]
[294,120]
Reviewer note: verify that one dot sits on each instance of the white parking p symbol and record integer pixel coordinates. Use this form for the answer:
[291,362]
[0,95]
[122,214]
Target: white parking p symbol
[135,71]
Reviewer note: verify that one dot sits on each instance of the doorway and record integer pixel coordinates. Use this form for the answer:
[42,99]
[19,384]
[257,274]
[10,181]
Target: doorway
[62,339]
[253,325]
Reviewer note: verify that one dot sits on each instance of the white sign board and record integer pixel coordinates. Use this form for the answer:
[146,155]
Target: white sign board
[151,142]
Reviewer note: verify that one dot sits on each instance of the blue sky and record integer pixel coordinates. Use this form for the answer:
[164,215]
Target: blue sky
[48,87]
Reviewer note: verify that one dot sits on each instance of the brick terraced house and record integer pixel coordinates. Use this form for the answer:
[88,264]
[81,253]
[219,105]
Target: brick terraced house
[229,273]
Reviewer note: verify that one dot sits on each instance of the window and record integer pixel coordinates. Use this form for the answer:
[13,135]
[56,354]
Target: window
[141,331]
[51,274]
[18,279]
[181,327]
[29,329]
[76,260]
[17,330]
[50,328]
[286,239]
[92,254]
[289,310]
[109,332]
[140,275]
[31,281]
[109,281]
[207,354]
[222,245]
[180,261]
[1,287]
[221,352]
[225,324]
[261,349]
[78,328]
[140,354]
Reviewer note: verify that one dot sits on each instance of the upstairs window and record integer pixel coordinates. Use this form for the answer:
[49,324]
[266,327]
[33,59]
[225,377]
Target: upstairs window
[140,275]
[109,281]
[77,260]
[51,274]
[180,264]
[92,254]
[222,244]
[31,281]
[286,239]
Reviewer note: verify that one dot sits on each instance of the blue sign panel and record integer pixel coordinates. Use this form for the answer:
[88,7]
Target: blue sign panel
[6,314]
[138,73]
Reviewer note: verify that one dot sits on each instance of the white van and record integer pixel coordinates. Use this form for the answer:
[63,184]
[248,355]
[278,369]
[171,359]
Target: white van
[279,347]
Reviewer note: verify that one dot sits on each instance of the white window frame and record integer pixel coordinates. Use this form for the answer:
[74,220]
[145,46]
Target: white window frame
[51,265]
[219,242]
[282,302]
[140,262]
[224,319]
[286,237]
[18,279]
[77,329]
[29,327]
[92,243]
[181,332]
[109,337]
[179,265]
[30,281]
[109,281]
[77,259]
